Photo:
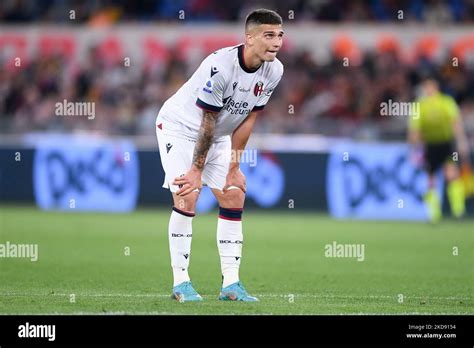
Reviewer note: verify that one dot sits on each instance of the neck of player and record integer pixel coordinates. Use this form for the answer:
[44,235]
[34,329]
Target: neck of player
[251,60]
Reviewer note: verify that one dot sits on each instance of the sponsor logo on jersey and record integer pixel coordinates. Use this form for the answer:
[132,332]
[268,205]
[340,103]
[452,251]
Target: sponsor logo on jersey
[214,71]
[236,108]
[242,89]
[258,89]
[234,85]
[168,147]
[208,87]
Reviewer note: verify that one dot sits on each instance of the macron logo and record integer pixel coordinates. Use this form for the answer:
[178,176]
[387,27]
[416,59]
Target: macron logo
[214,71]
[37,331]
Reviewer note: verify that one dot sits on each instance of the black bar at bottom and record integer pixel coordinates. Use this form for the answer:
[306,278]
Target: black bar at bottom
[134,330]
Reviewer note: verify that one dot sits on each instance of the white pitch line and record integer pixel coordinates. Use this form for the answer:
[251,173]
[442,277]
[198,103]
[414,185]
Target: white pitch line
[242,314]
[364,296]
[450,298]
[86,295]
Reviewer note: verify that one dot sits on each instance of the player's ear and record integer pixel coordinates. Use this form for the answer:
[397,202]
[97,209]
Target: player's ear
[249,38]
[250,34]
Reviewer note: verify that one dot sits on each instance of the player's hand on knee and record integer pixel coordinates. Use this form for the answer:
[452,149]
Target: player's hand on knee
[188,183]
[235,178]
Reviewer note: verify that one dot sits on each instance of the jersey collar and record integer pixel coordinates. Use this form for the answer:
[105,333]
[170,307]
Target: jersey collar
[240,54]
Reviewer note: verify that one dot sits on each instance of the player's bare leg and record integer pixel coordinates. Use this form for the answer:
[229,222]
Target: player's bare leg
[230,242]
[455,190]
[186,203]
[180,237]
[432,200]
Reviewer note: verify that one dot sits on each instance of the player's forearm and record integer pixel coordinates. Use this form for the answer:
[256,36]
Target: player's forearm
[414,137]
[239,141]
[204,141]
[240,138]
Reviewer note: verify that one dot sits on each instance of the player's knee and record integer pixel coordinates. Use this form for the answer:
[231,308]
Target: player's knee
[233,198]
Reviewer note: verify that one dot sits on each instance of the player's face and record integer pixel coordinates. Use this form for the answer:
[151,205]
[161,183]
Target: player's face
[267,41]
[430,87]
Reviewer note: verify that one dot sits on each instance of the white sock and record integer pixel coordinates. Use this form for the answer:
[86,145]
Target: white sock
[229,243]
[180,232]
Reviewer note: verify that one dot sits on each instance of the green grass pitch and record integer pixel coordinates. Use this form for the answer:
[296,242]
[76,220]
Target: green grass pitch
[82,267]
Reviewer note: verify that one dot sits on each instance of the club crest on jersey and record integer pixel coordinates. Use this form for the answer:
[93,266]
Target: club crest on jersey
[258,89]
[208,87]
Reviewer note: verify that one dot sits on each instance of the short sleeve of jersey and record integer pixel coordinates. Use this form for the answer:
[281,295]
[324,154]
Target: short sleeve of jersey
[211,90]
[451,108]
[267,93]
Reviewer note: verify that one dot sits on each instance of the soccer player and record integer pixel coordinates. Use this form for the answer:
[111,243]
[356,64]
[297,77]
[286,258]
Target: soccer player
[202,130]
[437,127]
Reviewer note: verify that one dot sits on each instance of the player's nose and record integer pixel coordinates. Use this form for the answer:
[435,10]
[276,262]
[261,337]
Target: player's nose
[277,44]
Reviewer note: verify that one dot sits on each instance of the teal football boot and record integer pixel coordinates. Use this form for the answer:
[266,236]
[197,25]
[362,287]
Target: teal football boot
[185,292]
[236,292]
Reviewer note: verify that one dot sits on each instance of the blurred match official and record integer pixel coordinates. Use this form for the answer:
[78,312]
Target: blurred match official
[439,129]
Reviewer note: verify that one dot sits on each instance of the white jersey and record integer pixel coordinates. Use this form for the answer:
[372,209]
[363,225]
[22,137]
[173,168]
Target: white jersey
[223,84]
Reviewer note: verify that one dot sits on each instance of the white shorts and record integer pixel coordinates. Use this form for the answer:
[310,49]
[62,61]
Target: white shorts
[177,155]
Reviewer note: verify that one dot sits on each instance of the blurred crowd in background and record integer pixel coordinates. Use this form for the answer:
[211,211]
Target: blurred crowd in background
[437,11]
[330,98]
[327,99]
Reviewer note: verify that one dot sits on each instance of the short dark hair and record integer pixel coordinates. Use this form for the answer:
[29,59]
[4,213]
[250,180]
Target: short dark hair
[263,16]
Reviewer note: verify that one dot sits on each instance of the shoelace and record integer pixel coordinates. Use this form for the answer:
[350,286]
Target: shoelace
[239,284]
[188,286]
